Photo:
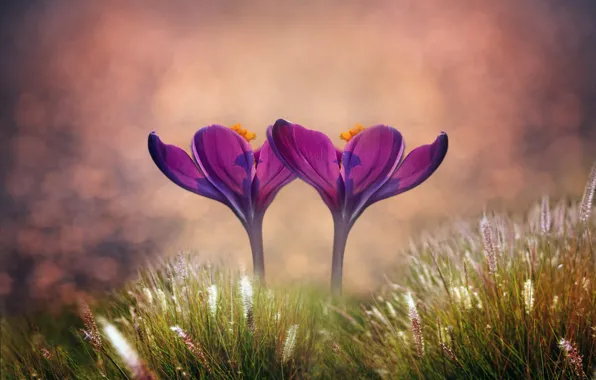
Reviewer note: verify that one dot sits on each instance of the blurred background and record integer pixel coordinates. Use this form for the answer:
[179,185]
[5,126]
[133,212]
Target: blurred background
[82,83]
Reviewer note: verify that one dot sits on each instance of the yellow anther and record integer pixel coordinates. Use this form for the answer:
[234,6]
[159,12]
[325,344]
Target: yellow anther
[243,132]
[345,136]
[357,129]
[352,132]
[250,136]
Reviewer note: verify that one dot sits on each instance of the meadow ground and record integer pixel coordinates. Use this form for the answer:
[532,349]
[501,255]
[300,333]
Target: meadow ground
[503,297]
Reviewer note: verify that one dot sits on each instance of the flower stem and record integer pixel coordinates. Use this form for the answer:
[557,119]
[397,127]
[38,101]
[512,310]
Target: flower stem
[255,236]
[341,229]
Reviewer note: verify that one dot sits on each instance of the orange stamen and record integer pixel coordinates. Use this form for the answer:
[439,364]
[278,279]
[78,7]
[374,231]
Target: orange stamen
[243,132]
[347,136]
[250,135]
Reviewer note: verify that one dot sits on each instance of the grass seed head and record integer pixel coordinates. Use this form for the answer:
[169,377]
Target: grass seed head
[416,324]
[545,217]
[573,357]
[212,299]
[91,332]
[289,343]
[127,353]
[588,197]
[489,246]
[528,294]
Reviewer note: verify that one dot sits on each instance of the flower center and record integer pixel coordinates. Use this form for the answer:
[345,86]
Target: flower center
[243,132]
[352,132]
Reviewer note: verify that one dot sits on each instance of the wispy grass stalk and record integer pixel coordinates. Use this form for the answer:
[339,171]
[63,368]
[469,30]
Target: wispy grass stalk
[416,324]
[489,246]
[573,356]
[588,197]
[289,343]
[127,353]
[511,329]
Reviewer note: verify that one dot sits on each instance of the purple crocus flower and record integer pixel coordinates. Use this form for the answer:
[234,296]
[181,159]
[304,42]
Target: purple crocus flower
[226,169]
[368,170]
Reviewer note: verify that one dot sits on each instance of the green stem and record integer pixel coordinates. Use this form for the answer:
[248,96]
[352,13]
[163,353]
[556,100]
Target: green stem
[255,236]
[341,229]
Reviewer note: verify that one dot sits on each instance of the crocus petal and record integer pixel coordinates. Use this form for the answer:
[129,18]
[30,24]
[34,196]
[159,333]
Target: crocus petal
[338,154]
[418,165]
[177,165]
[227,160]
[270,177]
[311,156]
[368,161]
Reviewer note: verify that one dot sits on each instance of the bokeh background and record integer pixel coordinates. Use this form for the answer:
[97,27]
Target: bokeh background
[83,83]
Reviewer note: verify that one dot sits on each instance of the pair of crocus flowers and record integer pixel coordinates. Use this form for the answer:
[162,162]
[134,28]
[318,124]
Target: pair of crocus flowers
[369,169]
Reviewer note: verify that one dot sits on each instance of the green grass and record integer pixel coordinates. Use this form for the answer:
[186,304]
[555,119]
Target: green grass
[446,313]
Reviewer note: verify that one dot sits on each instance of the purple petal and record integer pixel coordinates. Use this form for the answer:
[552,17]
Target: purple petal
[227,160]
[368,161]
[419,164]
[338,154]
[311,156]
[270,177]
[177,165]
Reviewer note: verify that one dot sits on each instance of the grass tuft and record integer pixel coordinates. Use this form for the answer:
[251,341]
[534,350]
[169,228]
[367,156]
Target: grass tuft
[506,297]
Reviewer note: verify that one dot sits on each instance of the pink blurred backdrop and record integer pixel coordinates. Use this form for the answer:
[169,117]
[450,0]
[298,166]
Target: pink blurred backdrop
[509,81]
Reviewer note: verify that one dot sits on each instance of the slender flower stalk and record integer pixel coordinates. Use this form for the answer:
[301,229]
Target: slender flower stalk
[559,219]
[226,169]
[528,294]
[289,343]
[573,356]
[180,266]
[448,351]
[246,293]
[462,296]
[416,324]
[478,300]
[391,309]
[545,218]
[341,230]
[129,355]
[91,331]
[369,169]
[588,197]
[212,300]
[162,299]
[489,247]
[193,347]
[148,295]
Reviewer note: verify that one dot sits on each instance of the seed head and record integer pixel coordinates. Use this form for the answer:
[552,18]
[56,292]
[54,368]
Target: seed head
[212,299]
[588,197]
[246,293]
[573,356]
[193,347]
[416,324]
[127,353]
[290,343]
[545,219]
[489,247]
[528,294]
[91,332]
